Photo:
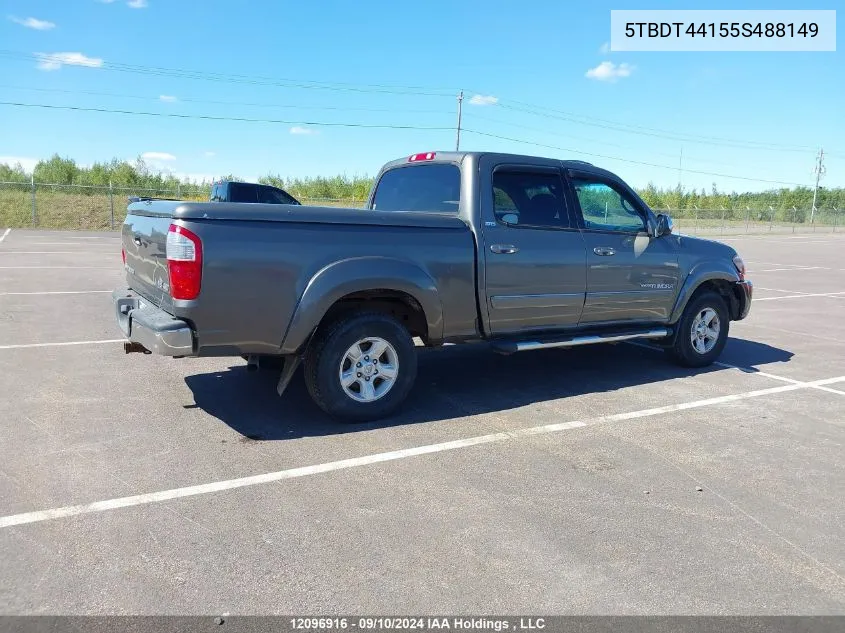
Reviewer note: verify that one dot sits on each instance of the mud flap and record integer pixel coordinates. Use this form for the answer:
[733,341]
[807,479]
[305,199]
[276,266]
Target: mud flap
[288,369]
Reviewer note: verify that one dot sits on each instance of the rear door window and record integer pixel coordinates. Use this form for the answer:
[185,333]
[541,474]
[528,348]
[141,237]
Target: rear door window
[434,188]
[529,198]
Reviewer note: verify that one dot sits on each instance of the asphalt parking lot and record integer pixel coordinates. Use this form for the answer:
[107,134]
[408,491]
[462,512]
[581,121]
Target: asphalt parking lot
[554,482]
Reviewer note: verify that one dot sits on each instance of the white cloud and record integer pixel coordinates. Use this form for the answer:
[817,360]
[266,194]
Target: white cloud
[28,164]
[608,71]
[167,98]
[298,129]
[54,61]
[33,23]
[210,154]
[137,4]
[484,100]
[604,49]
[157,156]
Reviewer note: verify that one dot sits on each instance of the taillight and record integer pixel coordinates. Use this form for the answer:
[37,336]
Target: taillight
[123,255]
[740,267]
[424,156]
[184,261]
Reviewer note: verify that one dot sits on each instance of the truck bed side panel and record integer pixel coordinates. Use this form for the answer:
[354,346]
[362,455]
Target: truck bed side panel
[254,274]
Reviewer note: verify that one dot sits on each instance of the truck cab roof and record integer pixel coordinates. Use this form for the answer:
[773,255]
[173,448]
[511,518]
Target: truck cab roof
[458,157]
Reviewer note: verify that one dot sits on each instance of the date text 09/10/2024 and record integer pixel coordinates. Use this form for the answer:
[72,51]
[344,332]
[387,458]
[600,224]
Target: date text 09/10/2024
[418,623]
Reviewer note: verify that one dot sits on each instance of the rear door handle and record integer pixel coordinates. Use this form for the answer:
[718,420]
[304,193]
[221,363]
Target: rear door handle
[604,250]
[504,249]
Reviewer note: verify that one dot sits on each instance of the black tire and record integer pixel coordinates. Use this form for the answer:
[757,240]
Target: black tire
[327,351]
[682,350]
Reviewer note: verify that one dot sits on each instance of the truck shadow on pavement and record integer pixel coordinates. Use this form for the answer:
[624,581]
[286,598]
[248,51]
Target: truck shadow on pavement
[454,382]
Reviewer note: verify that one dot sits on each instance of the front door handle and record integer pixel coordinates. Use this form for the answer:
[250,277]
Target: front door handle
[504,249]
[604,250]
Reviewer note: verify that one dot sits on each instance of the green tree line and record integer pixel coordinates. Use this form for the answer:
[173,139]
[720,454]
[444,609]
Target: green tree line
[791,203]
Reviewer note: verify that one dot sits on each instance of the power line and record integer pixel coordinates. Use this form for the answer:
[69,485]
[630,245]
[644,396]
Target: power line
[628,160]
[243,79]
[627,129]
[226,118]
[226,103]
[572,117]
[591,140]
[380,126]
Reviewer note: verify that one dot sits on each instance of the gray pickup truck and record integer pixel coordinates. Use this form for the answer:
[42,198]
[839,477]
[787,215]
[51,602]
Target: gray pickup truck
[523,252]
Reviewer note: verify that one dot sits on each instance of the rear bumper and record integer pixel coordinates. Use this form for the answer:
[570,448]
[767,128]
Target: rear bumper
[746,291]
[152,328]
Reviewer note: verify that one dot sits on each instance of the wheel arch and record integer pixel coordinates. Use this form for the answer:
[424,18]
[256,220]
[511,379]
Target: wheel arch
[709,276]
[394,286]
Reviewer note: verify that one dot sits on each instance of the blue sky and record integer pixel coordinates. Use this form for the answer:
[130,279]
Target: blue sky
[392,63]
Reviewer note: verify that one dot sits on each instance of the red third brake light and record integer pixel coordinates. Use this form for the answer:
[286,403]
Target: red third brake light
[184,261]
[424,156]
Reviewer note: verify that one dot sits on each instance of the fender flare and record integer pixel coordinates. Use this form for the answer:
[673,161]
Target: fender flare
[358,274]
[702,272]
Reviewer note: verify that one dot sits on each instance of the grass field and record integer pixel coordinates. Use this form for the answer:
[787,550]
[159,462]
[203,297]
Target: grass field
[83,209]
[63,209]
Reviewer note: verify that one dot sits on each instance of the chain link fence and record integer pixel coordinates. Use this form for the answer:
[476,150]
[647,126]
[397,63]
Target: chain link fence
[96,208]
[750,220]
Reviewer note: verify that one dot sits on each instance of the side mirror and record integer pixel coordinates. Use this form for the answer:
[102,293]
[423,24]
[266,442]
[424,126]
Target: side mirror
[664,225]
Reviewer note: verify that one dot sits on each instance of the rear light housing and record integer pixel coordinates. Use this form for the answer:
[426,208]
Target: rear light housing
[740,267]
[184,262]
[420,157]
[123,255]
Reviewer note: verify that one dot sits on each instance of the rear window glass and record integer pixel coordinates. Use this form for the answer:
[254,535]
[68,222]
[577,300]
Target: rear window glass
[242,193]
[269,195]
[434,188]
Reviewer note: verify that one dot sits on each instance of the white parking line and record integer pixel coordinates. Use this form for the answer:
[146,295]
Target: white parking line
[788,292]
[85,252]
[53,292]
[81,245]
[63,267]
[355,462]
[792,381]
[28,345]
[70,237]
[778,270]
[3,237]
[751,370]
[758,261]
[802,296]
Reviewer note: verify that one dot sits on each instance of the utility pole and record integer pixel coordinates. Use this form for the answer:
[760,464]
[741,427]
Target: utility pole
[460,106]
[680,177]
[819,170]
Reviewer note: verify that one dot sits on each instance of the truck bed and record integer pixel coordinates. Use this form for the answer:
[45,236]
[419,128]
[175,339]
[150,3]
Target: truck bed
[259,259]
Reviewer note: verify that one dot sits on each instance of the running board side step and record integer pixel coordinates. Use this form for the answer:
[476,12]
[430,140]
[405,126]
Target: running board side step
[511,347]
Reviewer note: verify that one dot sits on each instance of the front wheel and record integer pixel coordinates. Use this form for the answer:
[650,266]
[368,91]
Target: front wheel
[702,331]
[362,367]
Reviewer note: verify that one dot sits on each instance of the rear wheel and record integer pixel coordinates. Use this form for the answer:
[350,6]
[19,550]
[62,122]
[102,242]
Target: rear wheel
[702,331]
[362,367]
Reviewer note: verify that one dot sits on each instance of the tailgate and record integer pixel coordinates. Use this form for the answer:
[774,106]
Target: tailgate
[145,243]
